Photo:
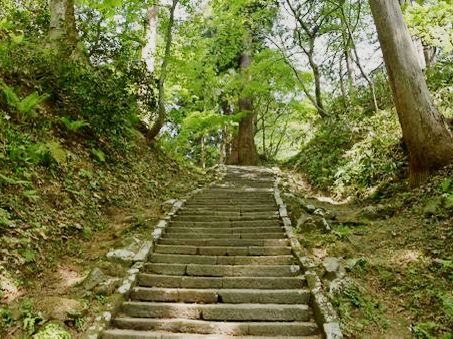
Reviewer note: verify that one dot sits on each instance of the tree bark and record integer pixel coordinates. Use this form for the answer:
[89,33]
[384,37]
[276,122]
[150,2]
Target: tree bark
[429,142]
[243,146]
[162,113]
[149,50]
[63,33]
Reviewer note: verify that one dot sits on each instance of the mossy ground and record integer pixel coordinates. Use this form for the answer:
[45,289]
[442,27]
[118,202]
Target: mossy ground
[78,212]
[403,281]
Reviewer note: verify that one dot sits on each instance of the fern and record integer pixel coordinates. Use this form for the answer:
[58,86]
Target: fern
[57,152]
[447,304]
[26,106]
[100,156]
[74,125]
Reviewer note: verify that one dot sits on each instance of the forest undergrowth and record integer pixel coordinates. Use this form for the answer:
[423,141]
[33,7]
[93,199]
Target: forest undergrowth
[73,185]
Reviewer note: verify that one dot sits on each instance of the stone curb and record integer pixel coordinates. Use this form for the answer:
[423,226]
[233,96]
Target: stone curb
[102,322]
[325,314]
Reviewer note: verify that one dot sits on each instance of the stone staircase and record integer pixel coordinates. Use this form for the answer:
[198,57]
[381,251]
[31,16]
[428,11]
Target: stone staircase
[224,268]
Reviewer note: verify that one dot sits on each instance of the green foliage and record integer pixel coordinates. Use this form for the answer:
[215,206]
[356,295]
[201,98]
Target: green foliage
[6,318]
[30,319]
[98,154]
[5,217]
[358,310]
[425,330]
[431,21]
[74,125]
[26,106]
[52,331]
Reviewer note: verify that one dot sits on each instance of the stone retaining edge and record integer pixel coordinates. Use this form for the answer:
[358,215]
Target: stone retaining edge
[102,322]
[325,314]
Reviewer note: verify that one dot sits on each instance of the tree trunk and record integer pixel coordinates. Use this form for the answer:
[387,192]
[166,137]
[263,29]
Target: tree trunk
[429,142]
[203,152]
[162,113]
[62,28]
[57,27]
[149,50]
[318,91]
[243,147]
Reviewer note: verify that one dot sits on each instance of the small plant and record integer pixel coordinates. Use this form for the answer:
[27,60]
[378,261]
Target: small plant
[424,330]
[98,154]
[446,185]
[29,318]
[343,232]
[26,106]
[52,331]
[5,217]
[447,305]
[74,125]
[6,318]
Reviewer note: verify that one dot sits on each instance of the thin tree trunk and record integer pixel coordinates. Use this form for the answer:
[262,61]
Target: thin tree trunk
[429,142]
[342,86]
[162,114]
[318,92]
[203,152]
[263,127]
[351,43]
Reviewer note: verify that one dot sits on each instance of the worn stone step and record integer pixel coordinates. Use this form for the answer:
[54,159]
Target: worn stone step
[236,202]
[223,250]
[224,230]
[213,214]
[212,296]
[222,260]
[273,235]
[132,334]
[227,217]
[171,281]
[216,224]
[219,312]
[220,328]
[222,242]
[226,208]
[223,270]
[237,194]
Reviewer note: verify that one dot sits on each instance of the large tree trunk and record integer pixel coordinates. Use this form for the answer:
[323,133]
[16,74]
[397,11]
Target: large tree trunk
[243,146]
[149,50]
[161,110]
[63,33]
[429,142]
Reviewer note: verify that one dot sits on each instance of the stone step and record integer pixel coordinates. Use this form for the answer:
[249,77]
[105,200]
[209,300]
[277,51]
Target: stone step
[235,202]
[227,217]
[223,230]
[223,270]
[171,281]
[226,208]
[222,260]
[216,224]
[273,235]
[274,329]
[132,334]
[218,312]
[213,214]
[223,250]
[222,242]
[212,296]
[251,193]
